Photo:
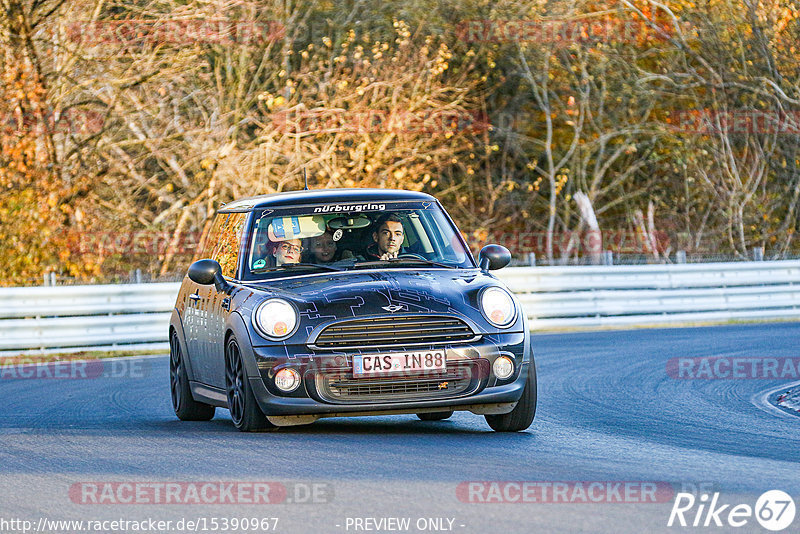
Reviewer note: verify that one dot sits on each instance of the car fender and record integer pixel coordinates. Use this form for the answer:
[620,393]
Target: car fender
[527,350]
[237,326]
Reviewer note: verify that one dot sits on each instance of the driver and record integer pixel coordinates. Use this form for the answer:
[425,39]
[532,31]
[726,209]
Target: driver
[387,238]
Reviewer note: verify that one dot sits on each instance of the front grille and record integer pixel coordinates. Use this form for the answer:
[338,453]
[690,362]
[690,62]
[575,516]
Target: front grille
[397,331]
[343,389]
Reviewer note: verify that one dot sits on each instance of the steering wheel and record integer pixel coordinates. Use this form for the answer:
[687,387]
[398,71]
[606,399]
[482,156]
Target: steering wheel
[411,255]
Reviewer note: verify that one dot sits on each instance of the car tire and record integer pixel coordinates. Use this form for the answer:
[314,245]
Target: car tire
[245,412]
[186,408]
[523,413]
[435,416]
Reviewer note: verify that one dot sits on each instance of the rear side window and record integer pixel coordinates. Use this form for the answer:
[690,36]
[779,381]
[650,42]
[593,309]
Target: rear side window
[222,243]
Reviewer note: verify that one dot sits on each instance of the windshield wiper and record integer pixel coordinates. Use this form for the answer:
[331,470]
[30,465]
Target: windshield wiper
[407,260]
[423,260]
[289,266]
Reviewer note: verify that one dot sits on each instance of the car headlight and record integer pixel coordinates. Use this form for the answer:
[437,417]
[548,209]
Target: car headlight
[498,306]
[276,318]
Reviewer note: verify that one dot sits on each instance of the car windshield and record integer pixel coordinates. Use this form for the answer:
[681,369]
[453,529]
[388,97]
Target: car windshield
[343,236]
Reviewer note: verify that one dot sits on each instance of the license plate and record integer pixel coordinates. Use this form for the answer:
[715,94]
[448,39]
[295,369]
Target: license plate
[365,365]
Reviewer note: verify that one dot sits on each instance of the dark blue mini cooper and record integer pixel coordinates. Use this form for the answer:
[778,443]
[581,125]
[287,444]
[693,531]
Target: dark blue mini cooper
[347,302]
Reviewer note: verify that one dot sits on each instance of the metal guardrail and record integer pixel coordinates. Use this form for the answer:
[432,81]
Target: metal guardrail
[134,316]
[101,317]
[596,296]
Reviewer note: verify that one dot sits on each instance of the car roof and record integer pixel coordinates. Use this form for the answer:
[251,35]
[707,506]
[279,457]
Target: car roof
[322,196]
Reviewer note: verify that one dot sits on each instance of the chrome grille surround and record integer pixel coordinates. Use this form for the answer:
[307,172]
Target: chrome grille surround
[393,331]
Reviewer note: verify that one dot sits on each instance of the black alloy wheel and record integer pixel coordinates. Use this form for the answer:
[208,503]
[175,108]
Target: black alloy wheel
[245,412]
[186,408]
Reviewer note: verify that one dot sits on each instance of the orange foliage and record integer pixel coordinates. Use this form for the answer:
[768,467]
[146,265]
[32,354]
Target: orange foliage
[34,218]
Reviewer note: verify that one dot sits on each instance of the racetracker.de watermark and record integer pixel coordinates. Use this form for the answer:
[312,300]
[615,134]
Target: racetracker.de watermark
[44,368]
[149,242]
[200,492]
[192,31]
[70,121]
[586,242]
[376,121]
[707,121]
[560,31]
[564,492]
[733,368]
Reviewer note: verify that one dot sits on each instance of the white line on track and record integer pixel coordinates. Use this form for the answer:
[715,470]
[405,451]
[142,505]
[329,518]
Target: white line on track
[761,400]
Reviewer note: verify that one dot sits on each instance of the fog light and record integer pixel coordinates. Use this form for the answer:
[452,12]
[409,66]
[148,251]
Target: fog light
[503,367]
[287,380]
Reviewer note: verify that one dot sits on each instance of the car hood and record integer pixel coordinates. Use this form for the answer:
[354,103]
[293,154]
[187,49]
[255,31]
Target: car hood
[327,297]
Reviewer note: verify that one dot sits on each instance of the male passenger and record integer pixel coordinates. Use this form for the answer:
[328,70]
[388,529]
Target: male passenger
[387,238]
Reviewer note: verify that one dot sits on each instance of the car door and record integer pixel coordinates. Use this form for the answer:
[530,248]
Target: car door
[219,310]
[191,301]
[202,322]
[197,308]
[227,251]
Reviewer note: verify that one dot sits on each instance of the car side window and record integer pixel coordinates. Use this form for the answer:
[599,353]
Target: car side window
[222,243]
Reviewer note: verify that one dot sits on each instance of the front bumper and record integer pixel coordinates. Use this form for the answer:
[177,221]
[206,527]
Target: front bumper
[484,394]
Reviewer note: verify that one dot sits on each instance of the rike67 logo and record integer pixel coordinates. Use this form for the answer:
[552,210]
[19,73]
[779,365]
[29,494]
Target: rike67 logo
[774,510]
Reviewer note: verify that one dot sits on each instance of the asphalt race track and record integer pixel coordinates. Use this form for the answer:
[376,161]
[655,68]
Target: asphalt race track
[608,412]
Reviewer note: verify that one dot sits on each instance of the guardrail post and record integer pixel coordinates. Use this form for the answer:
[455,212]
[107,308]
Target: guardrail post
[758,253]
[608,258]
[532,259]
[680,256]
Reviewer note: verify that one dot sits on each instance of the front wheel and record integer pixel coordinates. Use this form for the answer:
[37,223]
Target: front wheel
[522,415]
[186,408]
[245,413]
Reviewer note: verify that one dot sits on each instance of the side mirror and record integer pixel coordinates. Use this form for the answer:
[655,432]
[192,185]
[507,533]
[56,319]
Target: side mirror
[493,257]
[206,272]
